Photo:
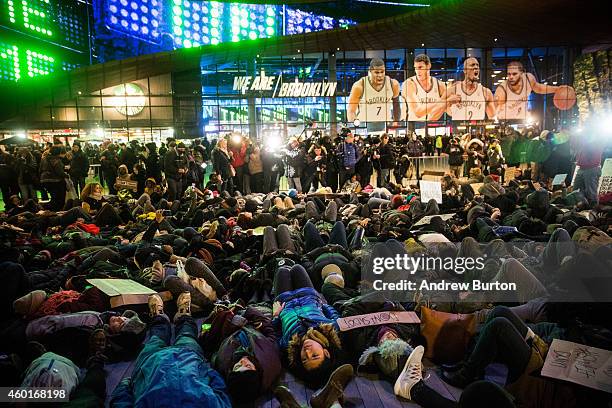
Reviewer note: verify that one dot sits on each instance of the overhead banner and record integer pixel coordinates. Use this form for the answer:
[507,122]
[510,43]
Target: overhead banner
[263,83]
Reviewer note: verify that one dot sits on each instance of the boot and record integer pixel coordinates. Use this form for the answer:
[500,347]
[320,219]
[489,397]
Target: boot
[285,397]
[460,378]
[334,388]
[183,305]
[156,305]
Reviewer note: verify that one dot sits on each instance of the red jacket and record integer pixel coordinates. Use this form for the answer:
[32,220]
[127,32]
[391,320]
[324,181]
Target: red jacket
[239,157]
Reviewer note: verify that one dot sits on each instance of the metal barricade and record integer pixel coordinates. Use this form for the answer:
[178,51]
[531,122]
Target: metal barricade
[433,163]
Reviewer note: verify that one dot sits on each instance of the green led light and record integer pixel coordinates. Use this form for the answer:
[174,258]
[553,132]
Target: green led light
[214,41]
[177,21]
[177,10]
[214,22]
[270,21]
[187,43]
[244,23]
[269,31]
[252,35]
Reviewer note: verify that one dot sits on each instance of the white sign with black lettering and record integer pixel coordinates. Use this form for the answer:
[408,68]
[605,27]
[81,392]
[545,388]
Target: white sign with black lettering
[280,89]
[429,190]
[588,366]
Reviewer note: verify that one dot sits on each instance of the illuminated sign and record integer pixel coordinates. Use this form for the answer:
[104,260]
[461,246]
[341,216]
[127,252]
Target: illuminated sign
[280,89]
[130,99]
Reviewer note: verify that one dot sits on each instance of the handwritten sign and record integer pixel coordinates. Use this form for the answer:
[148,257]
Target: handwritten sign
[559,179]
[427,219]
[429,190]
[605,182]
[509,174]
[584,365]
[376,319]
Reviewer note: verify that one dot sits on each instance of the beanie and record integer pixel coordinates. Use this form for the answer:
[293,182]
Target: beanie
[329,269]
[133,325]
[28,305]
[292,193]
[250,205]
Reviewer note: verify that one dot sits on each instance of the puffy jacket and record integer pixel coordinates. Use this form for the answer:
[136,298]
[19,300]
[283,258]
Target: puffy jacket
[304,308]
[52,169]
[174,376]
[455,155]
[50,324]
[262,346]
[239,157]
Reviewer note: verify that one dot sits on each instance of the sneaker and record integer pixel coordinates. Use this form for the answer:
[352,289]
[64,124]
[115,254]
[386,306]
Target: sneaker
[285,397]
[183,304]
[411,374]
[156,305]
[333,390]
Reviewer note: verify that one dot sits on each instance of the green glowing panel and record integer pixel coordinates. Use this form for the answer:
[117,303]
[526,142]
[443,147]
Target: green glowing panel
[14,61]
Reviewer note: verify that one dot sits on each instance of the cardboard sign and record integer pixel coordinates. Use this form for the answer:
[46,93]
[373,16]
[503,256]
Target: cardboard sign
[584,365]
[376,319]
[427,219]
[605,181]
[559,179]
[123,291]
[476,187]
[127,184]
[429,190]
[509,174]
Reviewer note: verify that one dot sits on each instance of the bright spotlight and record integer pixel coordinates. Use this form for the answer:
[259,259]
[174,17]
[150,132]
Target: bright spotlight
[21,135]
[98,132]
[273,141]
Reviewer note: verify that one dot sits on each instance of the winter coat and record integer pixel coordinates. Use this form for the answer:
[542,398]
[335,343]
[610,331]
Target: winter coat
[50,324]
[304,308]
[295,162]
[110,163]
[174,376]
[172,163]
[357,340]
[261,346]
[386,156]
[221,163]
[152,164]
[239,156]
[79,165]
[52,169]
[415,148]
[27,170]
[455,155]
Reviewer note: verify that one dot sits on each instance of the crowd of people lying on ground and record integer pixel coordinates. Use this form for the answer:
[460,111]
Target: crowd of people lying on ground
[255,284]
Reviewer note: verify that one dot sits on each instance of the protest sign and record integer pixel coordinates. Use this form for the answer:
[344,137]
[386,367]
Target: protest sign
[376,319]
[559,179]
[429,190]
[427,219]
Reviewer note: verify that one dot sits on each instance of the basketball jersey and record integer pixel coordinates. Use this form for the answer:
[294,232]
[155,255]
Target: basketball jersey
[422,96]
[516,104]
[376,106]
[471,107]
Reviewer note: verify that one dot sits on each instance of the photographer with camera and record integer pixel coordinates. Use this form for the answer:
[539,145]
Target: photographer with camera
[348,155]
[383,161]
[316,166]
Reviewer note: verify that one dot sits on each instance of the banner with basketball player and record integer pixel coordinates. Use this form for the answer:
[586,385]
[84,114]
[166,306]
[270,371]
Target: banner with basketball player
[378,99]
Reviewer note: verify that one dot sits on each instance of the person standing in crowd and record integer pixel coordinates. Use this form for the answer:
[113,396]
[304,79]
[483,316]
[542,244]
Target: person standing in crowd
[221,161]
[333,167]
[348,156]
[589,150]
[272,168]
[316,163]
[6,174]
[79,167]
[27,174]
[385,158]
[415,150]
[152,162]
[295,164]
[238,147]
[53,177]
[128,154]
[175,166]
[256,170]
[495,157]
[455,157]
[109,164]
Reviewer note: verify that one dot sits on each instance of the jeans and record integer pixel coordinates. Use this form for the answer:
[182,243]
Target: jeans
[175,188]
[287,279]
[279,239]
[313,239]
[296,183]
[27,192]
[382,177]
[502,339]
[587,181]
[160,331]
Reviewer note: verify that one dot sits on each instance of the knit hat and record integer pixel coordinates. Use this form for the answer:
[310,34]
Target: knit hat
[250,205]
[397,200]
[591,238]
[292,193]
[329,269]
[28,305]
[244,386]
[133,325]
[389,356]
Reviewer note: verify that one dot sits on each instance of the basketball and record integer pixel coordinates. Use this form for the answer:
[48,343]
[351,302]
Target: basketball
[565,97]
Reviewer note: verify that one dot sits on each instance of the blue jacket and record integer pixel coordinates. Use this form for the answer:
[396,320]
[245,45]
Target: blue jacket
[304,308]
[172,377]
[349,153]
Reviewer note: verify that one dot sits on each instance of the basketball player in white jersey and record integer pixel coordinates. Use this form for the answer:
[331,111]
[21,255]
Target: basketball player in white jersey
[372,98]
[512,93]
[425,96]
[475,99]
